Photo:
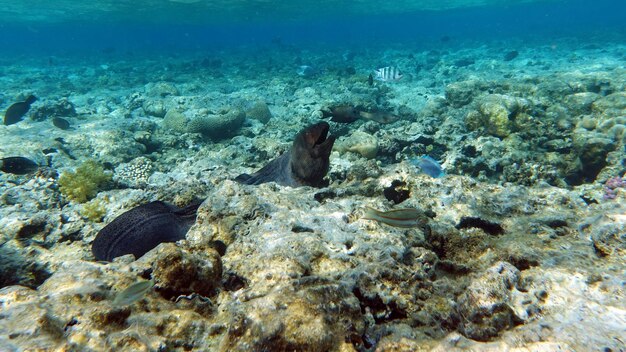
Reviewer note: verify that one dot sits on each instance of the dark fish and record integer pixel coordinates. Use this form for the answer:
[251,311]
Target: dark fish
[140,229]
[379,116]
[341,113]
[16,111]
[18,165]
[61,123]
[305,164]
[370,80]
[511,55]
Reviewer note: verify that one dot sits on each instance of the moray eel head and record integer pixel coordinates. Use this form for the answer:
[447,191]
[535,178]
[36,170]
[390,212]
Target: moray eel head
[310,152]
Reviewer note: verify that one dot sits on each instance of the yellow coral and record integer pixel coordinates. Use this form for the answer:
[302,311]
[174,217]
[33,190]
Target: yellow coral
[94,210]
[83,184]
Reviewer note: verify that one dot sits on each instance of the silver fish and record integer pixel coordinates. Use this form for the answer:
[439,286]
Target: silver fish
[407,218]
[307,71]
[133,293]
[388,74]
[379,116]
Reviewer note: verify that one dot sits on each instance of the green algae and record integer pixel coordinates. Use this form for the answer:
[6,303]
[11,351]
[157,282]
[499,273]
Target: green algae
[84,183]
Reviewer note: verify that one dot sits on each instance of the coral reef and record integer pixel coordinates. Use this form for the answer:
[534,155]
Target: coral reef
[218,126]
[134,173]
[521,248]
[175,121]
[259,111]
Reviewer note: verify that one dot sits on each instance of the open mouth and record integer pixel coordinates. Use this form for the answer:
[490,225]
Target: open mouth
[322,130]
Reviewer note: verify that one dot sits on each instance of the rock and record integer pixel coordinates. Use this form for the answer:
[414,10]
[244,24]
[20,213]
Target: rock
[606,233]
[485,306]
[592,149]
[580,103]
[182,272]
[361,143]
[26,324]
[459,94]
[154,108]
[61,108]
[588,122]
[162,90]
[615,128]
[18,266]
[612,104]
[499,115]
[307,314]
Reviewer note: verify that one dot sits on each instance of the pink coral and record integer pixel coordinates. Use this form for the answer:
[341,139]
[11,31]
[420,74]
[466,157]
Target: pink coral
[611,185]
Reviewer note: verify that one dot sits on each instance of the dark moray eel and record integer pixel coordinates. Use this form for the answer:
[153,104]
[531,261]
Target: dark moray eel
[305,164]
[140,229]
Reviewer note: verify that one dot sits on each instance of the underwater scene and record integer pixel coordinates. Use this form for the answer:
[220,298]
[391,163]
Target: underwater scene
[345,176]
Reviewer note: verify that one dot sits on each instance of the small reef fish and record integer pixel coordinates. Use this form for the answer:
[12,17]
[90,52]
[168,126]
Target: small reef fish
[379,116]
[429,166]
[307,71]
[388,74]
[18,165]
[16,112]
[133,293]
[140,229]
[305,164]
[61,123]
[406,218]
[341,113]
[348,55]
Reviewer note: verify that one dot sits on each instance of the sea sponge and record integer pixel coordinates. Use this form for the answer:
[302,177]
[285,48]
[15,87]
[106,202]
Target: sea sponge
[83,184]
[218,126]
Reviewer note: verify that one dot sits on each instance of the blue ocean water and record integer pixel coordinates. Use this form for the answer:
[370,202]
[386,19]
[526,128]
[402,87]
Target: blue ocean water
[136,29]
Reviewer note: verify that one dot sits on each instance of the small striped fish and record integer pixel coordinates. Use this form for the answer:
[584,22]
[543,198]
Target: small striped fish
[407,218]
[388,74]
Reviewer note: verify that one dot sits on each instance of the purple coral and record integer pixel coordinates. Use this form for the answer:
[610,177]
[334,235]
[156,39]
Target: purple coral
[611,185]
